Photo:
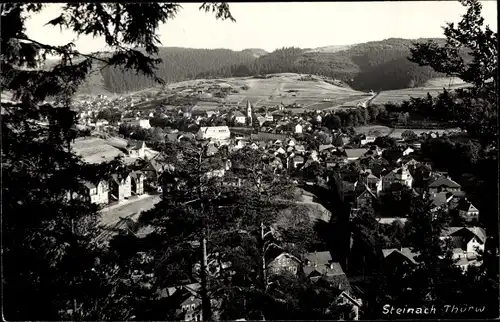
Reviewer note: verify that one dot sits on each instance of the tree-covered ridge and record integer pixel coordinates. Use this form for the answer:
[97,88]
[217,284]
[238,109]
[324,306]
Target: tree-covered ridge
[177,64]
[377,65]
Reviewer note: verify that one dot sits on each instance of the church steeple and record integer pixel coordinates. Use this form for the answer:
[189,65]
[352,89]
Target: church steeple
[249,112]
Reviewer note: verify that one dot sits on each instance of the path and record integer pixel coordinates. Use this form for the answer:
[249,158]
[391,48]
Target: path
[112,214]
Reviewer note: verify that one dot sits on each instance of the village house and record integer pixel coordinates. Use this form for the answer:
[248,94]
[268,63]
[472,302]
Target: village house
[284,263]
[140,122]
[467,211]
[96,193]
[401,175]
[320,266]
[298,128]
[367,139]
[365,198]
[408,151]
[373,182]
[120,187]
[217,133]
[394,257]
[136,149]
[239,118]
[443,183]
[467,243]
[137,183]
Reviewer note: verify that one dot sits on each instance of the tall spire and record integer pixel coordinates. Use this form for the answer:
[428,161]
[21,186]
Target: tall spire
[249,113]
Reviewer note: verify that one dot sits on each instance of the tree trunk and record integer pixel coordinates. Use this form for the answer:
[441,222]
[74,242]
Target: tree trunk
[264,275]
[205,300]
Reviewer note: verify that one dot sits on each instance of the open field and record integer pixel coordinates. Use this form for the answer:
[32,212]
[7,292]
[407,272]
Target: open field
[96,150]
[396,133]
[373,130]
[283,88]
[444,82]
[433,87]
[380,130]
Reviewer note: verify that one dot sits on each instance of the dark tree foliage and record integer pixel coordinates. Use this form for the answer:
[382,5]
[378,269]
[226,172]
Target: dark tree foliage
[379,65]
[475,108]
[51,262]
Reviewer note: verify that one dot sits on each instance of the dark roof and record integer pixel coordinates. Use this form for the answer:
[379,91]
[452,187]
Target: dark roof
[444,181]
[319,257]
[136,174]
[406,252]
[355,153]
[135,145]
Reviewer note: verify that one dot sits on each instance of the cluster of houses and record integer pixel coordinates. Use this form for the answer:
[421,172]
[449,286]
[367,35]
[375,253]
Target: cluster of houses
[116,188]
[467,245]
[287,149]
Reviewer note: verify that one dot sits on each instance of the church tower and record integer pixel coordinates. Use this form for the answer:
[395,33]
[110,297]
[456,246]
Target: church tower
[249,113]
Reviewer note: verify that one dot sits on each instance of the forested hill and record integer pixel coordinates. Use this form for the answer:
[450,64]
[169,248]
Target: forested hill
[379,65]
[178,64]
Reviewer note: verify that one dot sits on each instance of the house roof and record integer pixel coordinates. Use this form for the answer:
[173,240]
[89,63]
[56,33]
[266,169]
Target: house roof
[89,185]
[465,205]
[136,174]
[405,251]
[238,114]
[444,181]
[462,231]
[298,159]
[441,198]
[364,189]
[355,153]
[319,257]
[325,147]
[136,145]
[205,129]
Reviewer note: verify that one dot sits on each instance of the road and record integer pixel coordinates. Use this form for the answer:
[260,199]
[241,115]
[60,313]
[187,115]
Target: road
[131,209]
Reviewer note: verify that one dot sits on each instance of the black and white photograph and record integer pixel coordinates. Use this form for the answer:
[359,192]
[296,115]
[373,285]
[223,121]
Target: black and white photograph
[249,161]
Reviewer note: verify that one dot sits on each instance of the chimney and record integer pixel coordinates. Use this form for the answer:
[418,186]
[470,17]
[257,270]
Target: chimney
[331,265]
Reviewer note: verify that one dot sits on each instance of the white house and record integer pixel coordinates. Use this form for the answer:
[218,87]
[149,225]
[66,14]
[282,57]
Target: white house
[368,139]
[408,151]
[269,117]
[467,211]
[298,128]
[141,122]
[217,133]
[467,243]
[98,193]
[239,118]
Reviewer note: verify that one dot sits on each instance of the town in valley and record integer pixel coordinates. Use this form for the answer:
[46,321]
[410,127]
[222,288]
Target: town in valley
[258,190]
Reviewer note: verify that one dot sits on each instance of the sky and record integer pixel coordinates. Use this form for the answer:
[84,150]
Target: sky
[279,24]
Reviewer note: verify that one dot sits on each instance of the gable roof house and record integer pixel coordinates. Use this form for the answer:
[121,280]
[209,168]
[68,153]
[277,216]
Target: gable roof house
[120,186]
[394,257]
[467,243]
[137,182]
[443,183]
[467,211]
[400,175]
[136,148]
[97,193]
[364,196]
[320,266]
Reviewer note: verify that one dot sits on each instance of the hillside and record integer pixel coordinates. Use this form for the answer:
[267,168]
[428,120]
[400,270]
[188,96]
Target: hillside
[378,65]
[178,64]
